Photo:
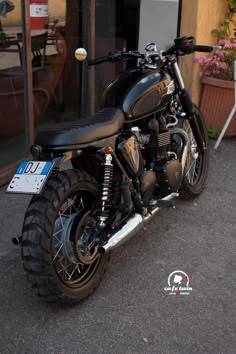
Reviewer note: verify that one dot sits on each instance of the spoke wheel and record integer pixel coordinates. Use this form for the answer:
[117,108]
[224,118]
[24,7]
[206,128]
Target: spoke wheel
[52,232]
[71,270]
[196,167]
[194,160]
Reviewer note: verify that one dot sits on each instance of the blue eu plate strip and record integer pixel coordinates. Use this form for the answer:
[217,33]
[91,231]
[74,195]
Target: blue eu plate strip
[46,168]
[21,168]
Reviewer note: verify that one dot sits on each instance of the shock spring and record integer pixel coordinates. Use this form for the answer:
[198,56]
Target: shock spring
[106,190]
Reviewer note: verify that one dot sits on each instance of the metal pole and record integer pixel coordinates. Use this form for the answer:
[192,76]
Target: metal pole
[179,18]
[231,113]
[93,54]
[28,81]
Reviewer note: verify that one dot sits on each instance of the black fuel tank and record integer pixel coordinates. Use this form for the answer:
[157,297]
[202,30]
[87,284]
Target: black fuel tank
[139,92]
[115,92]
[148,95]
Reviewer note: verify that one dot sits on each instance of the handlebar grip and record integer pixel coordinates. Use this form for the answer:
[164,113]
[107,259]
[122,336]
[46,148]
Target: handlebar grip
[202,48]
[98,60]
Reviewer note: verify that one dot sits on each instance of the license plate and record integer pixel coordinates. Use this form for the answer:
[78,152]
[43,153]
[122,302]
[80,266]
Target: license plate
[30,177]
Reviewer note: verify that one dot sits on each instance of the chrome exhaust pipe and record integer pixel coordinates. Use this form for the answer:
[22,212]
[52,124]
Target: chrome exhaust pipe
[184,157]
[132,226]
[185,139]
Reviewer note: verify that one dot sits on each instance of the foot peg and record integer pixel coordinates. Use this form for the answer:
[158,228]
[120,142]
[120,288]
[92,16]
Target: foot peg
[162,204]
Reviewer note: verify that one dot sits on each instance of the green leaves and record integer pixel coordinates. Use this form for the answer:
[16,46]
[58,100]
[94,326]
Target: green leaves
[232,4]
[224,32]
[219,34]
[213,132]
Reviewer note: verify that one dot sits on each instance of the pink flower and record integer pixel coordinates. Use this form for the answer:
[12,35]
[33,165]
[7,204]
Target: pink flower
[220,64]
[222,42]
[220,53]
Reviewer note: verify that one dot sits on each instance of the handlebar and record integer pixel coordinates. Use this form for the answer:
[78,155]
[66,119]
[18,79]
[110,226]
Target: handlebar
[185,45]
[182,46]
[202,48]
[115,56]
[98,60]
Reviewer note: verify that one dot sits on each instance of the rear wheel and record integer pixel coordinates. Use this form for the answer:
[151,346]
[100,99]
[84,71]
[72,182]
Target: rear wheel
[197,163]
[56,223]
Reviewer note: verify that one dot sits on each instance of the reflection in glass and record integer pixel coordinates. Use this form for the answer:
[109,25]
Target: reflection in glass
[63,89]
[118,32]
[70,85]
[12,129]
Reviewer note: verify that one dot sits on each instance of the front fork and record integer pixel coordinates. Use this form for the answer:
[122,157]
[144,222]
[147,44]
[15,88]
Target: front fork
[187,106]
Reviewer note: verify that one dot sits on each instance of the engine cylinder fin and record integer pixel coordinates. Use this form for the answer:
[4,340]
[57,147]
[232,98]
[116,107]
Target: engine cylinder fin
[164,139]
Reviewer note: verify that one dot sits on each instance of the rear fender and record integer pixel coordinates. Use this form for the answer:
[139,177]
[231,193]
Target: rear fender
[90,163]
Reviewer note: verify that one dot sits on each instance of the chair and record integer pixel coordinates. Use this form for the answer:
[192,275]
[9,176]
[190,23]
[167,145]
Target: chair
[12,106]
[38,50]
[16,73]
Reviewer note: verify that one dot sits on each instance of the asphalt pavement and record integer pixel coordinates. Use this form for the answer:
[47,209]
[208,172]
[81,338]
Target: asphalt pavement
[130,312]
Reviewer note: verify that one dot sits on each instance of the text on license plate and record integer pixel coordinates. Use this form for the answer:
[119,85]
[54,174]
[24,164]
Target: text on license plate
[30,177]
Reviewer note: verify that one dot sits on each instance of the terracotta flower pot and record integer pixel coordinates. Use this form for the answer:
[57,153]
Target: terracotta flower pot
[216,104]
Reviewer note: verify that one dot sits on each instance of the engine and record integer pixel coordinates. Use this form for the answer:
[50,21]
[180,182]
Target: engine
[151,154]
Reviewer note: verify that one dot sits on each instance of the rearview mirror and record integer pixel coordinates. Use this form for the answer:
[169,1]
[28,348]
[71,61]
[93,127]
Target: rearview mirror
[81,54]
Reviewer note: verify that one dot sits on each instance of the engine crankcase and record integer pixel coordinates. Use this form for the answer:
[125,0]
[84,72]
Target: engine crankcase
[149,184]
[173,172]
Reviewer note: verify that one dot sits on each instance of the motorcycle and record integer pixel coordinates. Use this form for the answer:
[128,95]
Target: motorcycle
[146,146]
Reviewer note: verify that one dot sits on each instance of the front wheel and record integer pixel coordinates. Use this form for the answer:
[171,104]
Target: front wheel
[55,224]
[197,163]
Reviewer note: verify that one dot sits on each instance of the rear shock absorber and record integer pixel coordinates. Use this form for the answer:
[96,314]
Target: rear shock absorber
[106,188]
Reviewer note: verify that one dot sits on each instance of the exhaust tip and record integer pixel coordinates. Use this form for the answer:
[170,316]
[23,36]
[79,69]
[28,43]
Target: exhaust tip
[101,250]
[17,240]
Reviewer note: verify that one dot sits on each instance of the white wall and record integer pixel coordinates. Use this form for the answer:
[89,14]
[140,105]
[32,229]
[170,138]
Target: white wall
[158,22]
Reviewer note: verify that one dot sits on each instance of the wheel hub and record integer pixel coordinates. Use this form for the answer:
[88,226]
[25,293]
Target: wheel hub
[193,147]
[86,244]
[89,256]
[194,151]
[73,238]
[63,235]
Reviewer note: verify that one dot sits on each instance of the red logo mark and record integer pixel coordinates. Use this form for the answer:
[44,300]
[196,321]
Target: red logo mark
[39,10]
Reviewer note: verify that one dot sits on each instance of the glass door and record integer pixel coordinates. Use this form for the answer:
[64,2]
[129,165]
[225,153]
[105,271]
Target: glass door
[58,87]
[67,89]
[116,28]
[12,73]
[59,78]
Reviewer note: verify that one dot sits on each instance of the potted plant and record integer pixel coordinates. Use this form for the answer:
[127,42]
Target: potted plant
[217,72]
